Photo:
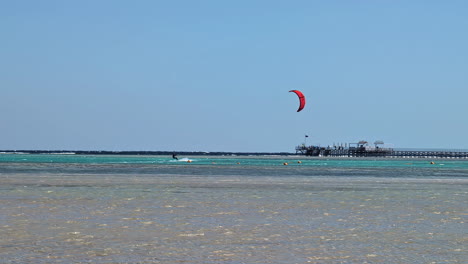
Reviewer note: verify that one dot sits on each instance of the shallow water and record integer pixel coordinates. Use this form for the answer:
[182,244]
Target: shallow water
[252,212]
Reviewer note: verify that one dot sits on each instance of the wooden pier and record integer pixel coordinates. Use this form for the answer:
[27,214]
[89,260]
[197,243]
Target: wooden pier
[362,150]
[430,154]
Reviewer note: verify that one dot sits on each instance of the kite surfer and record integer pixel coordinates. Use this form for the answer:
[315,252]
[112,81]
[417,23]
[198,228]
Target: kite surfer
[174,156]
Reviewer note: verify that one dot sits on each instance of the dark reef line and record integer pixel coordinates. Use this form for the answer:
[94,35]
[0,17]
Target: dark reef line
[106,152]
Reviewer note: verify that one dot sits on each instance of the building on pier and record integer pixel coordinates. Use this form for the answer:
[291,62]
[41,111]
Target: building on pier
[359,149]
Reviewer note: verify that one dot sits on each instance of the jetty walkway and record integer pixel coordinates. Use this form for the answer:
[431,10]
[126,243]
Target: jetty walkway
[379,152]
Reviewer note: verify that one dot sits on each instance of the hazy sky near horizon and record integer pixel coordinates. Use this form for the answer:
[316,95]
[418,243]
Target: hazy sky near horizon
[214,75]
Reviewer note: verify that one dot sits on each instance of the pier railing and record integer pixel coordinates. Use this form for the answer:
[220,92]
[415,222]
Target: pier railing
[430,154]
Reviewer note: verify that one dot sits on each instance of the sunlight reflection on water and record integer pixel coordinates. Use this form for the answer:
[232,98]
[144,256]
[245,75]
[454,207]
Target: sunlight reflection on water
[74,214]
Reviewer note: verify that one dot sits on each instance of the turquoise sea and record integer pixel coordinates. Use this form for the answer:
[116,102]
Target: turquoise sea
[231,209]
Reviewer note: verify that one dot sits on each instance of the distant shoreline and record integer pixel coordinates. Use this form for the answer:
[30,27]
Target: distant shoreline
[151,153]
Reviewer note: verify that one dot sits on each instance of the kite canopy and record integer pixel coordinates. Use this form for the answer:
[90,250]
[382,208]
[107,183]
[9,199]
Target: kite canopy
[301,99]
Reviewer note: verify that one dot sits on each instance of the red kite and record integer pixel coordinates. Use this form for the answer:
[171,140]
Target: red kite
[301,99]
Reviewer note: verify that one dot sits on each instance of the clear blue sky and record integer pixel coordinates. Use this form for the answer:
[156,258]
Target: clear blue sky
[215,75]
